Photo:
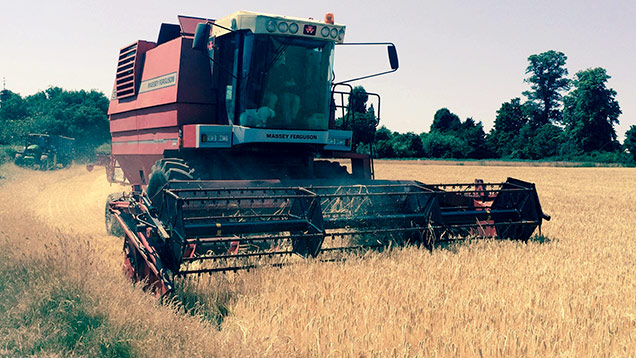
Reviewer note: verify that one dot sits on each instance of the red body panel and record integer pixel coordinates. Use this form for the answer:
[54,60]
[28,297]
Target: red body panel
[189,136]
[133,165]
[173,90]
[189,24]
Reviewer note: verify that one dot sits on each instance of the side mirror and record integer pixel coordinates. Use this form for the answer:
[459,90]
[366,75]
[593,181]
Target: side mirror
[393,57]
[201,36]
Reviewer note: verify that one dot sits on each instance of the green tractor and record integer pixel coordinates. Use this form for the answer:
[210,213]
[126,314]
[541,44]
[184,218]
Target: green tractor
[46,152]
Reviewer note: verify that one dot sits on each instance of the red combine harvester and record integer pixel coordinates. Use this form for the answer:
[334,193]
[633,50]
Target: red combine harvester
[223,129]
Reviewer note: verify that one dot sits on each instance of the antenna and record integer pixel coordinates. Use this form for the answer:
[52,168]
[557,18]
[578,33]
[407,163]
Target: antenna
[3,93]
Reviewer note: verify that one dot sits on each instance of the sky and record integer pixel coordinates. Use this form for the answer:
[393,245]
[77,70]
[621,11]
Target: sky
[469,57]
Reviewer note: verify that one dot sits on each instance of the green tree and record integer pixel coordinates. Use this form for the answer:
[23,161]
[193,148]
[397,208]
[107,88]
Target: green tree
[630,141]
[475,138]
[358,119]
[78,114]
[15,121]
[445,121]
[540,143]
[358,100]
[547,79]
[383,133]
[407,145]
[383,143]
[12,106]
[591,110]
[511,117]
[397,145]
[444,145]
[460,139]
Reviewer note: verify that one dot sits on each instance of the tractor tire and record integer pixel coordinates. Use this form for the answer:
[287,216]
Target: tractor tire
[164,171]
[171,163]
[112,225]
[324,169]
[45,162]
[19,159]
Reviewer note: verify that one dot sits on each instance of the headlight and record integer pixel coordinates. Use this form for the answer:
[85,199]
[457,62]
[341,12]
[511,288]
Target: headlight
[270,25]
[324,32]
[293,28]
[334,33]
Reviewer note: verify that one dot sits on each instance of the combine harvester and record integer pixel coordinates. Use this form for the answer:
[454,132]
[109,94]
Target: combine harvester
[222,129]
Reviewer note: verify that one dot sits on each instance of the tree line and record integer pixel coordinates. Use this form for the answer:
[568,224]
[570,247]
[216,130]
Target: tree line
[561,118]
[77,114]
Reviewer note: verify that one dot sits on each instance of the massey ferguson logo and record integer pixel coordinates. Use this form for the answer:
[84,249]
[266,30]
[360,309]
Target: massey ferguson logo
[158,82]
[291,136]
[309,30]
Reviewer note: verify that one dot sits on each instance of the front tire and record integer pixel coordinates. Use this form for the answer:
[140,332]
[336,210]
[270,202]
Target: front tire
[112,225]
[324,169]
[164,171]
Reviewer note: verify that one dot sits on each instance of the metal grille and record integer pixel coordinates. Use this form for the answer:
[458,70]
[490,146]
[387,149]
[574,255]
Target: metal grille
[125,78]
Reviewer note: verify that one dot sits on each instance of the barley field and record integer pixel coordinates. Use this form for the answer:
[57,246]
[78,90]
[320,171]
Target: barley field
[62,293]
